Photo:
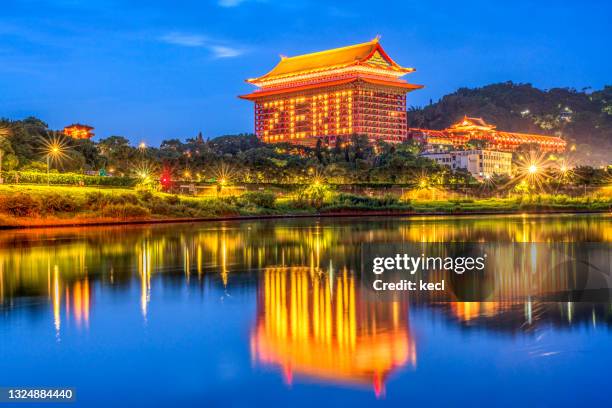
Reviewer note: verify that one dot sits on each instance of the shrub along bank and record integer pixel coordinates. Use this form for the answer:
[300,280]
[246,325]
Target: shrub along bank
[21,203]
[31,177]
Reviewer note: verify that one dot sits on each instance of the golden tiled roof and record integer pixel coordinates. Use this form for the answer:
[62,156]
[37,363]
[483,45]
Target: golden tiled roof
[261,93]
[471,123]
[368,53]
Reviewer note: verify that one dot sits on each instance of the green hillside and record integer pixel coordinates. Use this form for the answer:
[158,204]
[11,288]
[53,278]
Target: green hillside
[583,118]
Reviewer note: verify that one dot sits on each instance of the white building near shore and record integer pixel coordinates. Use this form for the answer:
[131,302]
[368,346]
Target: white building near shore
[480,163]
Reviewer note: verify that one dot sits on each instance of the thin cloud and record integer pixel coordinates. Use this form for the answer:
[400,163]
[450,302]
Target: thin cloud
[222,51]
[185,40]
[217,49]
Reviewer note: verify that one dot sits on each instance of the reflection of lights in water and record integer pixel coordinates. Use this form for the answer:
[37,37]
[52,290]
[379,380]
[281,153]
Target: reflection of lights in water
[224,259]
[466,311]
[199,260]
[529,311]
[56,299]
[186,262]
[1,282]
[534,258]
[525,229]
[144,270]
[305,330]
[330,273]
[80,301]
[310,245]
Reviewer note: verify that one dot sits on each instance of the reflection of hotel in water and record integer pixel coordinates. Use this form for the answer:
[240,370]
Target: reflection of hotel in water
[68,267]
[311,324]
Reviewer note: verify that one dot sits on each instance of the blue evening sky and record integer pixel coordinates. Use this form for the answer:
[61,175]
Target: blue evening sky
[152,70]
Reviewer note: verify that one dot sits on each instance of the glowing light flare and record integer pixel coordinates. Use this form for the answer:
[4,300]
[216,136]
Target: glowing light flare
[531,168]
[224,174]
[423,181]
[143,171]
[318,178]
[55,148]
[166,178]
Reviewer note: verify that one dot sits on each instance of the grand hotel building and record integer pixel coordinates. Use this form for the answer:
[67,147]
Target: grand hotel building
[335,93]
[357,90]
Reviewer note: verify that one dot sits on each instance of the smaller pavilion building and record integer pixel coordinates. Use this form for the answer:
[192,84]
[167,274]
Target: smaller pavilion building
[78,131]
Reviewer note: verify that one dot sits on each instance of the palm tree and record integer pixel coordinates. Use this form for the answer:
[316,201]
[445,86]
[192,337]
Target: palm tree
[5,131]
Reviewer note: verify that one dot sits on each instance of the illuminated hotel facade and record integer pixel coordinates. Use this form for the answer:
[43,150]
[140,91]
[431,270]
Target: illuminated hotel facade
[359,90]
[331,95]
[461,133]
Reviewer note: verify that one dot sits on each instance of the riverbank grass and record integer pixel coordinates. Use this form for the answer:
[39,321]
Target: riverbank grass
[29,205]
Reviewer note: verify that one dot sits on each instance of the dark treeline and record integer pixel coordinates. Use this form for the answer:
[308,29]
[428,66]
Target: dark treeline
[242,158]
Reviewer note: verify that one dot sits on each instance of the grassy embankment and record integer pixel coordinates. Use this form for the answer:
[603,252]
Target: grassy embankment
[32,205]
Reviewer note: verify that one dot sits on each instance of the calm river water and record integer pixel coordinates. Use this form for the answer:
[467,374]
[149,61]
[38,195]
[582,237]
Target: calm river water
[273,312]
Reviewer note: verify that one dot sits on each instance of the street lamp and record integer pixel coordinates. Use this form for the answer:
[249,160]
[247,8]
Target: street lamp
[142,147]
[532,169]
[220,184]
[55,149]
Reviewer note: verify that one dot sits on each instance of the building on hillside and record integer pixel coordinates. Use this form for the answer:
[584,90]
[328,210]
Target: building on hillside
[433,141]
[471,129]
[78,131]
[481,164]
[354,90]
